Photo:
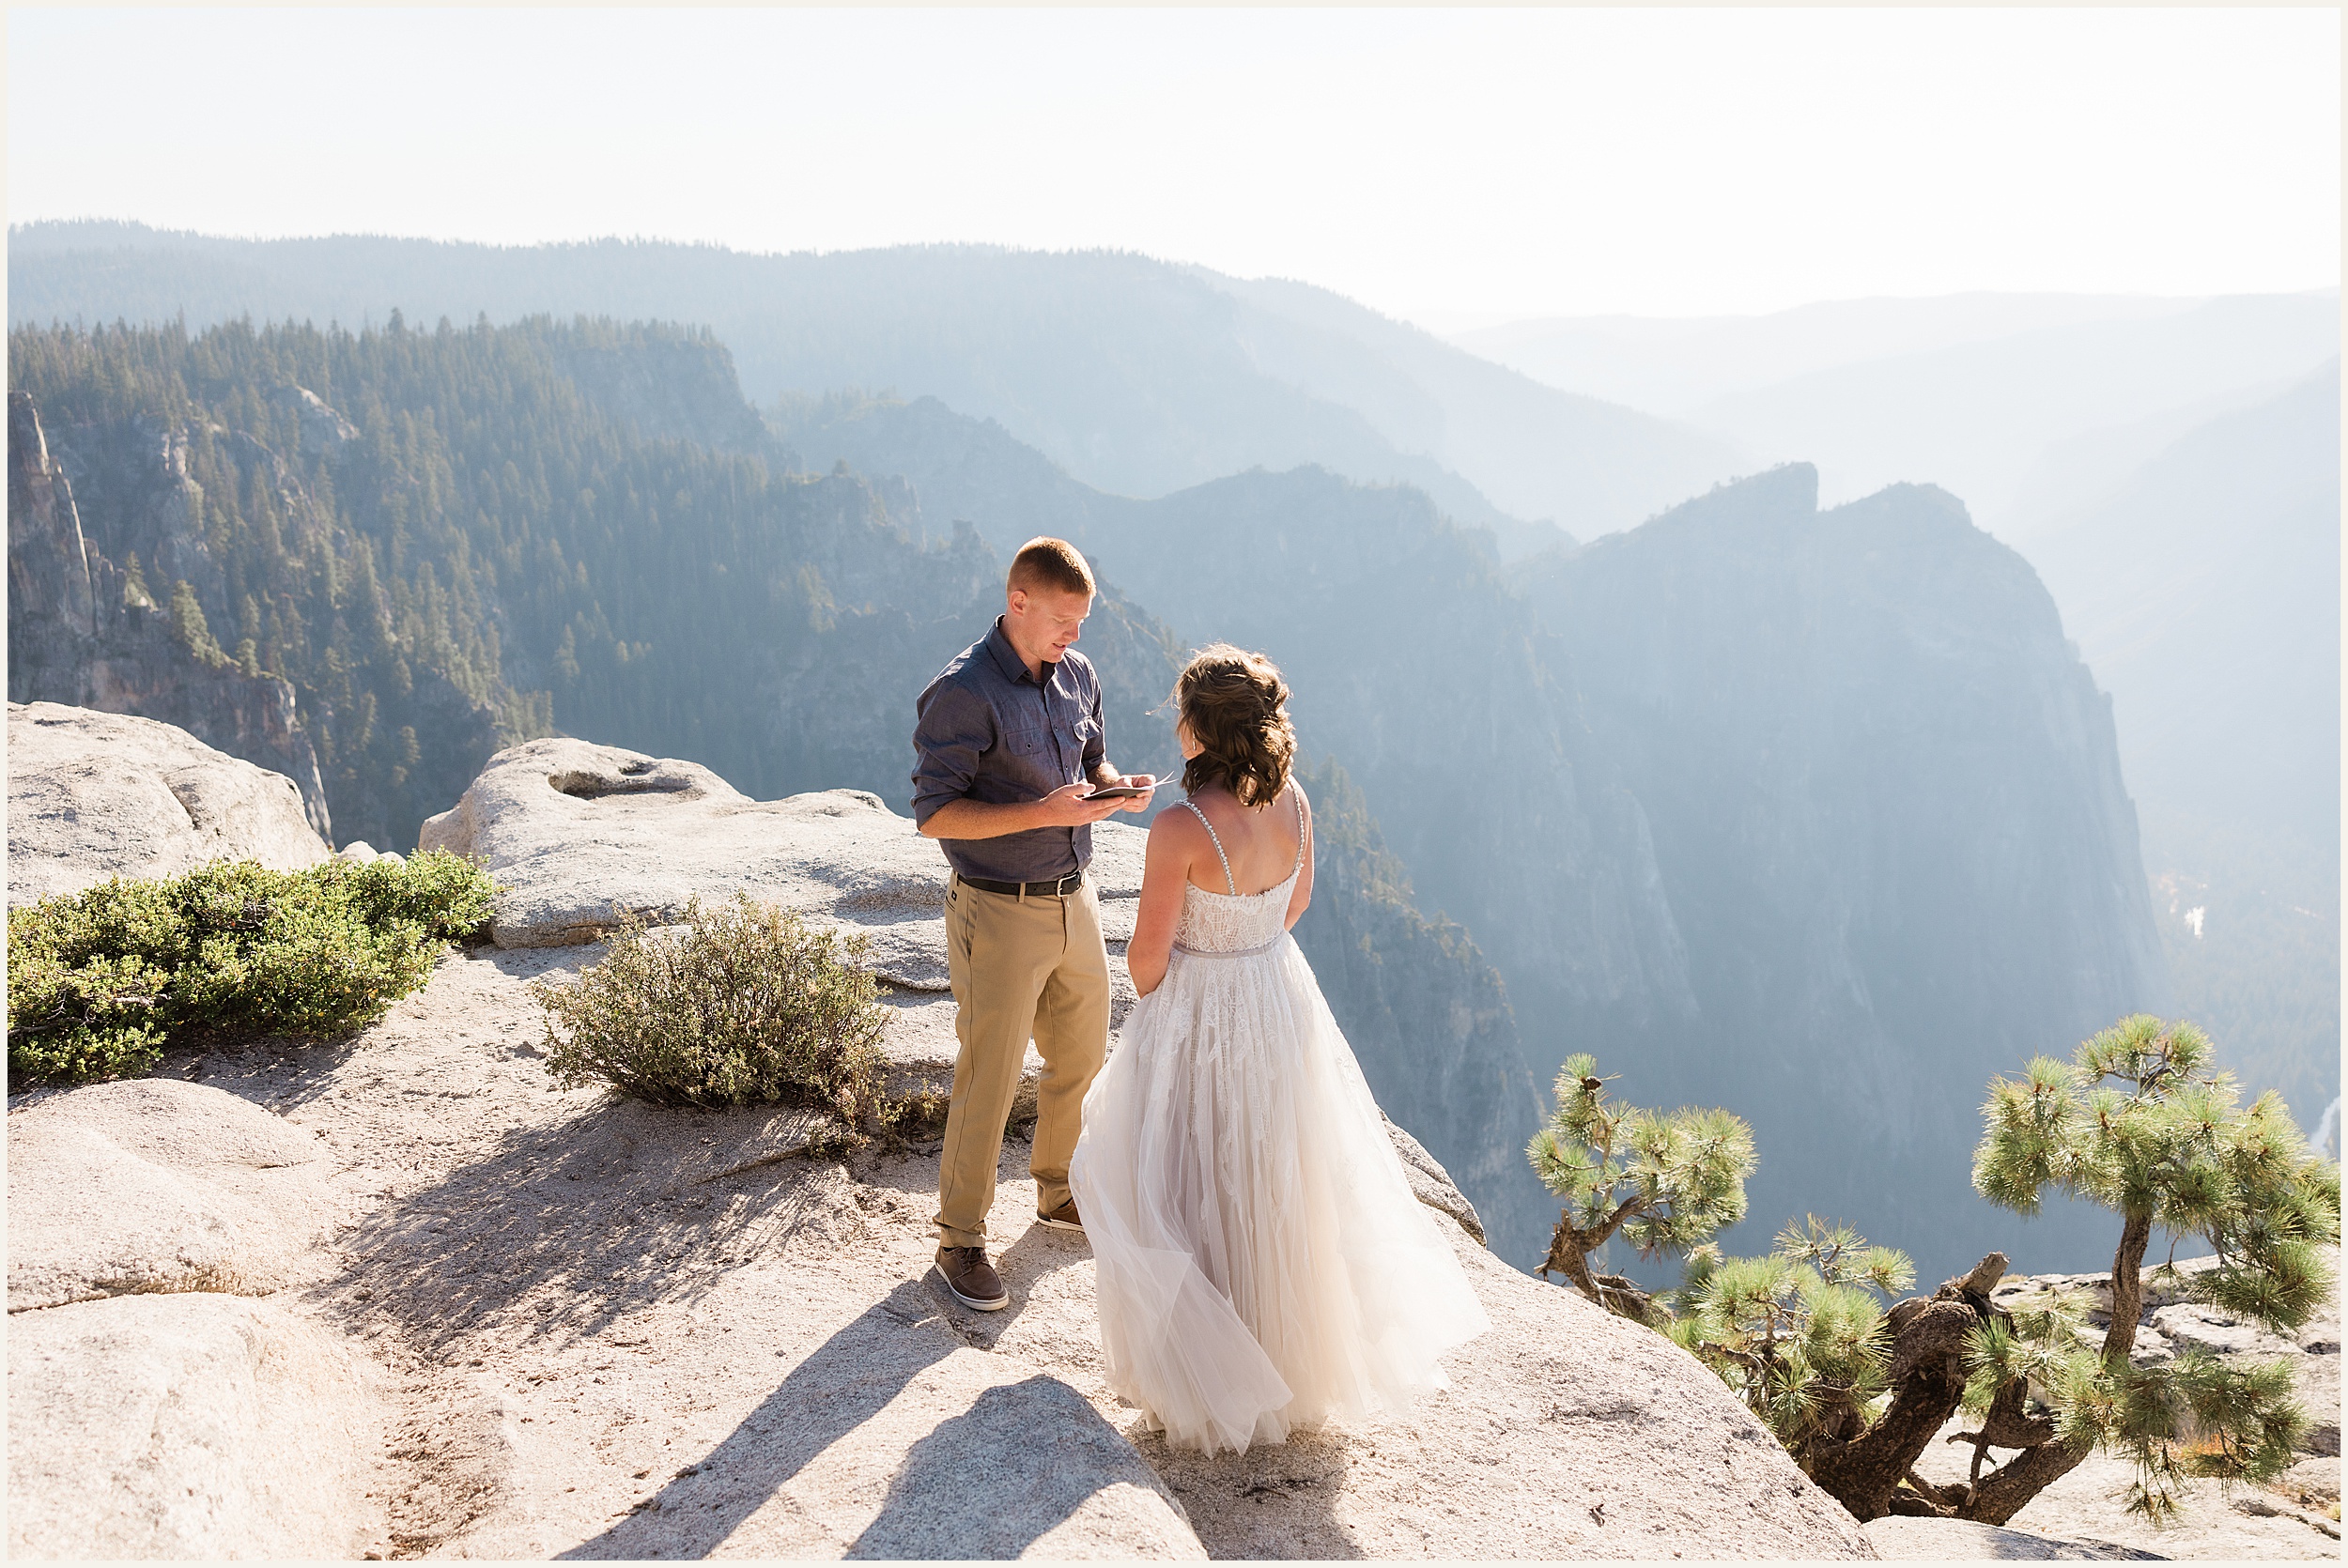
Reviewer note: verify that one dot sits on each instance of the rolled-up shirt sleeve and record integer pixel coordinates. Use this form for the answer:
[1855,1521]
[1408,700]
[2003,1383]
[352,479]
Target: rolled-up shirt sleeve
[954,727]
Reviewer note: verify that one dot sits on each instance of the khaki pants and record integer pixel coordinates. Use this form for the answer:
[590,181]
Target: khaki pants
[1020,967]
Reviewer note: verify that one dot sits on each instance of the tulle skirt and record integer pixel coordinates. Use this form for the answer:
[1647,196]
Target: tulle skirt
[1261,1264]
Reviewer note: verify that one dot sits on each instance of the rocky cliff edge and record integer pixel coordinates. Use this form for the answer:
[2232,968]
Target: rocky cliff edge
[472,1316]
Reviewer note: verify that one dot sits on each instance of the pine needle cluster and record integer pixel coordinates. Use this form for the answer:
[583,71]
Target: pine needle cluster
[2139,1120]
[1666,1181]
[1798,1333]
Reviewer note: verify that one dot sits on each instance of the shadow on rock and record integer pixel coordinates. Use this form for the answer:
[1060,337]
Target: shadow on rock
[991,1481]
[1013,1462]
[279,1073]
[846,1382]
[565,1228]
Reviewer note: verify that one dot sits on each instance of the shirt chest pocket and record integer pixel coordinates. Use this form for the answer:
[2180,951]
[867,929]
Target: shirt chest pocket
[1033,739]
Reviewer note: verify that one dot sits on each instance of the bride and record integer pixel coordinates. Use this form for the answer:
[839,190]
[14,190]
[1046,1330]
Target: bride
[1261,1264]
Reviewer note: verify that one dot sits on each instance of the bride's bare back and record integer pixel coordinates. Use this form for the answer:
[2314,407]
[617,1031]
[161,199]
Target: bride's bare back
[1260,841]
[1261,844]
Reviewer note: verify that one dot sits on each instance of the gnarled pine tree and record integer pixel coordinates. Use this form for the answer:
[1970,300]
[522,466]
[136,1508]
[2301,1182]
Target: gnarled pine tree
[1667,1181]
[2138,1121]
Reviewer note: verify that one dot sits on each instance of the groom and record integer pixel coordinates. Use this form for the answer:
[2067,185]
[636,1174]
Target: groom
[1008,745]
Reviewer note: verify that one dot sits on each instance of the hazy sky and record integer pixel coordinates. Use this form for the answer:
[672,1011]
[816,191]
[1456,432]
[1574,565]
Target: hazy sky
[1436,164]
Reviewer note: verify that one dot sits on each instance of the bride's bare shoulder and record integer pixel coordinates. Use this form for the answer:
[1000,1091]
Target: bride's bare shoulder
[1175,828]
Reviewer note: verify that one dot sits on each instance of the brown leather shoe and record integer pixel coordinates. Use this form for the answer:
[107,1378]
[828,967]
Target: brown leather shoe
[972,1279]
[1063,1218]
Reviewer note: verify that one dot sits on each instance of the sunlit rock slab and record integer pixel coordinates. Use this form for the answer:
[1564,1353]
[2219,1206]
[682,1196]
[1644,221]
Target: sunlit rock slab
[95,795]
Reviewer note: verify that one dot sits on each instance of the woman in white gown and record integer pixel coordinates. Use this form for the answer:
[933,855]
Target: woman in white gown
[1261,1264]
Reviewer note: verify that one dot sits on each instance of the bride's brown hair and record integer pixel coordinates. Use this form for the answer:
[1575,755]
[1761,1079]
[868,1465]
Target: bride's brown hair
[1236,705]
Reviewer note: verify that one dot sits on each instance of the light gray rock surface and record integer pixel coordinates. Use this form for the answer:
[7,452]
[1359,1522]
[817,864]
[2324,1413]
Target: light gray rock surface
[2313,1483]
[190,1425]
[575,833]
[323,431]
[1430,1183]
[153,1409]
[1902,1540]
[93,796]
[154,1185]
[2319,1390]
[605,1330]
[625,1331]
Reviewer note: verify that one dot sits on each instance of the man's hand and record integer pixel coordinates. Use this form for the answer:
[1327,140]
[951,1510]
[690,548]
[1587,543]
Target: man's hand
[1067,806]
[1138,804]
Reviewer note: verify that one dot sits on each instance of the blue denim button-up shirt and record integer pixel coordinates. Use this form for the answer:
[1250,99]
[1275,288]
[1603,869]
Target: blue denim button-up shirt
[988,731]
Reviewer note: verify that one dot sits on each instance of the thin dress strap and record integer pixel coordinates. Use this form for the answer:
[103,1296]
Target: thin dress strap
[1219,846]
[1300,827]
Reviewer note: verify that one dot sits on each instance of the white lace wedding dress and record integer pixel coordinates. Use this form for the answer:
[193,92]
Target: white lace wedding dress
[1261,1262]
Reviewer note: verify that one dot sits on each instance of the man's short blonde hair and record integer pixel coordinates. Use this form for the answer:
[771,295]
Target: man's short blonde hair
[1050,564]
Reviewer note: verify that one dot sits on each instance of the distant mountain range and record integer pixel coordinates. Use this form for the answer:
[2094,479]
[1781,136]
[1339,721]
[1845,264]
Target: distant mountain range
[1675,365]
[2172,469]
[1138,377]
[1886,816]
[2204,590]
[1986,395]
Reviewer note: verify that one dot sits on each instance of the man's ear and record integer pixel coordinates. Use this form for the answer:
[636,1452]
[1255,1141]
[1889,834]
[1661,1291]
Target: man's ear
[1015,601]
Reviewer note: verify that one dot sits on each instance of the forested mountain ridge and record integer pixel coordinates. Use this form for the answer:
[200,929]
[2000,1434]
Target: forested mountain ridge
[87,632]
[443,541]
[1139,377]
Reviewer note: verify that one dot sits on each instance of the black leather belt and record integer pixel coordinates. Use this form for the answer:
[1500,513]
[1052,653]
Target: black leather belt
[1066,885]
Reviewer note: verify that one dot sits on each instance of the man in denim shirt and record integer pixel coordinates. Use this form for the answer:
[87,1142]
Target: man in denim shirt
[1008,747]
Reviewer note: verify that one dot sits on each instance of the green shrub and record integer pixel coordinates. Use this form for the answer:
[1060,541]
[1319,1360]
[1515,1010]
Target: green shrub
[100,981]
[745,1006]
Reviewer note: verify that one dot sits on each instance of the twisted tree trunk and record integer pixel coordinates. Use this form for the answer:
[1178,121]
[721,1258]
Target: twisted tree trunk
[2127,1287]
[1568,1254]
[1927,1377]
[2002,1494]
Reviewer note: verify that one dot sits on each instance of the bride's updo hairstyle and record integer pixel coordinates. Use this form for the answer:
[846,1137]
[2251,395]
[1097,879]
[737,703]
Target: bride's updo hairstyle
[1236,706]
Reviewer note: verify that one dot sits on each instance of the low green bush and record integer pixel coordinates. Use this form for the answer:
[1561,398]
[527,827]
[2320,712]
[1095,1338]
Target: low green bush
[99,981]
[745,1005]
